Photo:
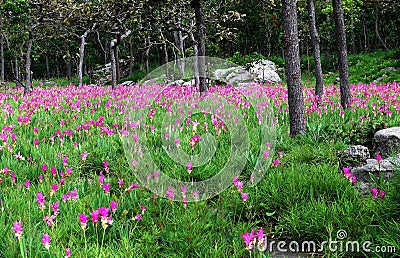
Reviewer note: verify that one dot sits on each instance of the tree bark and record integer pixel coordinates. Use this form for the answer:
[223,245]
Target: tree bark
[28,82]
[1,58]
[117,67]
[113,44]
[199,15]
[69,70]
[342,53]
[377,25]
[130,57]
[81,56]
[293,72]
[315,41]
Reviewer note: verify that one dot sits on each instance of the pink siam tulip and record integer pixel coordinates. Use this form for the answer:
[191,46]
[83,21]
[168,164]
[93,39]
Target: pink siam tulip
[83,220]
[46,241]
[27,184]
[132,186]
[17,228]
[113,206]
[106,188]
[120,183]
[54,189]
[143,208]
[67,253]
[249,240]
[138,217]
[189,167]
[56,208]
[50,220]
[41,200]
[95,216]
[245,196]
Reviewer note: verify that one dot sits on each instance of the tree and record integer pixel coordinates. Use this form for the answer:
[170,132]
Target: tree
[293,72]
[317,53]
[342,53]
[201,41]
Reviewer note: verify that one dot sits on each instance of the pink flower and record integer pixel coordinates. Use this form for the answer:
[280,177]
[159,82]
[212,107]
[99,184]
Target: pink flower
[50,220]
[106,188]
[120,183]
[346,171]
[382,194]
[249,240]
[185,201]
[54,189]
[27,184]
[67,253]
[41,200]
[245,196]
[170,193]
[276,162]
[131,187]
[95,216]
[266,154]
[55,208]
[374,192]
[53,171]
[189,167]
[84,155]
[280,153]
[138,217]
[260,234]
[13,178]
[143,208]
[83,220]
[177,142]
[113,206]
[44,167]
[46,241]
[101,178]
[194,140]
[17,228]
[379,158]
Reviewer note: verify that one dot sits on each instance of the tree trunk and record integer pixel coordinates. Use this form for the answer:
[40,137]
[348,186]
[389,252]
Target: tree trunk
[69,72]
[377,25]
[315,41]
[342,53]
[365,32]
[117,63]
[113,45]
[353,37]
[28,83]
[166,60]
[130,57]
[1,58]
[293,72]
[17,77]
[199,15]
[81,55]
[47,67]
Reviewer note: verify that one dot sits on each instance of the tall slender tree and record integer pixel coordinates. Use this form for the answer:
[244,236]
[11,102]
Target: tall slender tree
[317,53]
[293,72]
[201,42]
[342,53]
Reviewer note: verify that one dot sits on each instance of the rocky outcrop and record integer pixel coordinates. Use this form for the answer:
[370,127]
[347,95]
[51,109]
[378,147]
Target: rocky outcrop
[387,141]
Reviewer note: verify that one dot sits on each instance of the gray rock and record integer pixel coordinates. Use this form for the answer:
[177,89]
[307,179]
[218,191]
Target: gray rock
[390,68]
[127,83]
[387,168]
[357,152]
[387,141]
[380,78]
[260,71]
[264,71]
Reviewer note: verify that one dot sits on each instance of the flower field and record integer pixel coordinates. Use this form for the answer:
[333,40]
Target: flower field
[67,188]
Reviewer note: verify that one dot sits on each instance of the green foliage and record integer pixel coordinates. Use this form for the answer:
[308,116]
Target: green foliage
[241,60]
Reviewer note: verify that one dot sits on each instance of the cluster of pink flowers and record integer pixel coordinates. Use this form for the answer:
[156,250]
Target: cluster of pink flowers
[378,192]
[71,196]
[194,140]
[239,185]
[252,239]
[349,175]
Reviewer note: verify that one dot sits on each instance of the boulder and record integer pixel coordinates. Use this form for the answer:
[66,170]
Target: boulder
[127,83]
[264,71]
[357,152]
[387,141]
[386,168]
[261,71]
